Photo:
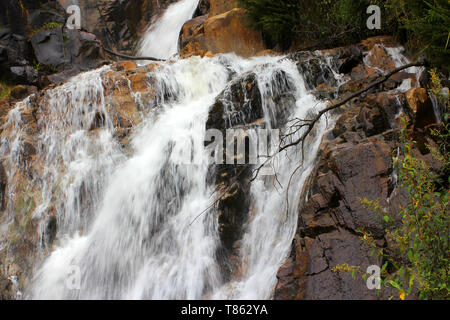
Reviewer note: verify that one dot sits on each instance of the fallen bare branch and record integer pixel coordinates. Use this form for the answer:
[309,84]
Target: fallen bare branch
[124,56]
[309,124]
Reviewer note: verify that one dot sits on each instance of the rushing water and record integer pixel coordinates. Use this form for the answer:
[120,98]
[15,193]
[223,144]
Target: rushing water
[130,224]
[142,243]
[161,39]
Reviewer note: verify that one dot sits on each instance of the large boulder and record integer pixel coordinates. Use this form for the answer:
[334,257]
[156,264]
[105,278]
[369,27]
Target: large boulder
[48,46]
[64,53]
[39,18]
[223,33]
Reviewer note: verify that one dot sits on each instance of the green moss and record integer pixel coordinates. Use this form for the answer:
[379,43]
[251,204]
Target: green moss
[47,26]
[4,92]
[5,88]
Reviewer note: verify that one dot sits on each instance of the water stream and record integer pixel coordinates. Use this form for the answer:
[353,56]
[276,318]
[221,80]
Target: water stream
[130,224]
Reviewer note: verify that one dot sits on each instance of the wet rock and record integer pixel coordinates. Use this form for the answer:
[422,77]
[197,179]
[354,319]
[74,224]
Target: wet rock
[6,288]
[315,71]
[328,221]
[130,92]
[379,58]
[124,66]
[27,75]
[119,23]
[238,105]
[21,91]
[3,185]
[50,230]
[354,162]
[422,107]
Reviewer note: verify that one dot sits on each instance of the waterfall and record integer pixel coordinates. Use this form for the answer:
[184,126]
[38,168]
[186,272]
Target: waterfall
[141,244]
[140,225]
[161,39]
[274,221]
[145,240]
[131,223]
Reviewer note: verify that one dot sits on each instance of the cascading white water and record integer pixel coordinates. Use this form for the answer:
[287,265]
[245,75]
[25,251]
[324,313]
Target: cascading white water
[127,222]
[131,223]
[161,39]
[76,161]
[142,243]
[273,223]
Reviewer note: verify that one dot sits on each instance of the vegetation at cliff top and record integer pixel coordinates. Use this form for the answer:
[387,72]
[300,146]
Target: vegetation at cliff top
[47,26]
[424,26]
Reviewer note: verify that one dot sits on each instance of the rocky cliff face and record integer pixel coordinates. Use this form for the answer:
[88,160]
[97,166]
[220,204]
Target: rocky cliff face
[27,235]
[36,49]
[355,162]
[355,159]
[119,24]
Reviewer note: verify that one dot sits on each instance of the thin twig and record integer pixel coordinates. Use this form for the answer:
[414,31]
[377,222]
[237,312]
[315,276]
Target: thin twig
[124,56]
[309,124]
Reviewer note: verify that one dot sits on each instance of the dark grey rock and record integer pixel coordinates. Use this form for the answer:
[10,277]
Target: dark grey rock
[25,74]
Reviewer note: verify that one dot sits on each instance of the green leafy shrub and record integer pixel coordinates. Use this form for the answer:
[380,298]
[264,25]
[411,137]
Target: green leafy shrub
[330,22]
[426,26]
[423,25]
[277,19]
[418,233]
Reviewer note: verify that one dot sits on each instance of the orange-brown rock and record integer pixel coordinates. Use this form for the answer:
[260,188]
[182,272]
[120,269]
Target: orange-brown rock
[127,90]
[124,65]
[223,33]
[379,58]
[422,107]
[369,43]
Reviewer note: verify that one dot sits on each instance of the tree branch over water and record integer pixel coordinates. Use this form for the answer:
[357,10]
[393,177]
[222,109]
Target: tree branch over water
[124,56]
[309,124]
